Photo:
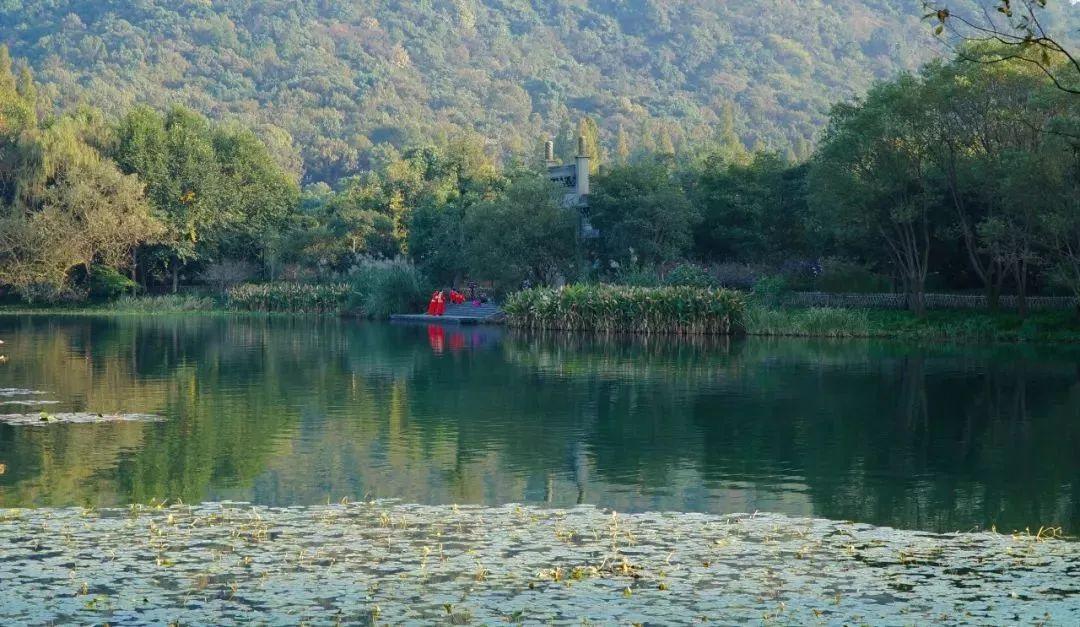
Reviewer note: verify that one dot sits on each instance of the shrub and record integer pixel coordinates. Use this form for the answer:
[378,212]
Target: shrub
[380,288]
[769,291]
[689,275]
[737,276]
[841,275]
[289,298]
[49,294]
[638,276]
[108,284]
[615,308]
[227,273]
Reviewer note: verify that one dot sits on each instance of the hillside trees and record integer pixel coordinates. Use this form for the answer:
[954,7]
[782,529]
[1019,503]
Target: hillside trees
[346,80]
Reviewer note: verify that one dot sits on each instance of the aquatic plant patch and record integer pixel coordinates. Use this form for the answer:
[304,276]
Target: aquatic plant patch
[8,392]
[44,418]
[388,563]
[626,309]
[289,298]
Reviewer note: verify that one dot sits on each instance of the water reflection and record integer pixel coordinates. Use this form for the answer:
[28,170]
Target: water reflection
[285,411]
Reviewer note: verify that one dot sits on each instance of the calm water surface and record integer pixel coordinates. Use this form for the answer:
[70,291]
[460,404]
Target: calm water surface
[298,411]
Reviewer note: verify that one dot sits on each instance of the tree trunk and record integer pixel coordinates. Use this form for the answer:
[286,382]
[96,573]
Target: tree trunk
[134,272]
[917,299]
[1021,273]
[993,296]
[176,277]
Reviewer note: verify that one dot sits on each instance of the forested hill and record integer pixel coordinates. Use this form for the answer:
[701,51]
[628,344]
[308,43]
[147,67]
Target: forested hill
[327,83]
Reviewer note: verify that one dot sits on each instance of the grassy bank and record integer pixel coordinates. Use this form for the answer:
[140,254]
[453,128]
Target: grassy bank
[959,326]
[128,305]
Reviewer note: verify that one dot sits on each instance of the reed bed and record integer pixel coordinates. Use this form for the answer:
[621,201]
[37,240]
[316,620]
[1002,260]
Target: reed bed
[166,303]
[289,298]
[623,309]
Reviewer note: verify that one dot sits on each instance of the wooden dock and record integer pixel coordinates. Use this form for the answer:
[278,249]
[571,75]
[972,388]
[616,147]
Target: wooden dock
[466,314]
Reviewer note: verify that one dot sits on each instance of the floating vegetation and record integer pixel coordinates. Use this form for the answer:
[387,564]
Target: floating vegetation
[365,562]
[45,418]
[8,392]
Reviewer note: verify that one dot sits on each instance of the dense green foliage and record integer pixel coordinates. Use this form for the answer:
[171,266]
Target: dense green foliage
[963,176]
[622,309]
[382,288]
[982,159]
[333,86]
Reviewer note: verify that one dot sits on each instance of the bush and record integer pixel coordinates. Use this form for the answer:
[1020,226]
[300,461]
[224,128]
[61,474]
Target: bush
[840,276]
[108,284]
[289,298]
[381,288]
[227,273]
[737,276]
[638,276]
[689,275]
[769,291]
[48,294]
[614,308]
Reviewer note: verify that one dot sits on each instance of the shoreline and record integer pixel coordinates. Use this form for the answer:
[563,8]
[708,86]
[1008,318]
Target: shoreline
[388,562]
[952,326]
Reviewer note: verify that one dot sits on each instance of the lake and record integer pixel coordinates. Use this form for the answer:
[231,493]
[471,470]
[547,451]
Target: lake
[302,411]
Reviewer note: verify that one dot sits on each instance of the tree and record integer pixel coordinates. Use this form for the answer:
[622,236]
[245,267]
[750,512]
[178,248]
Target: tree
[642,212]
[1016,27]
[871,178]
[525,234]
[218,190]
[986,115]
[752,212]
[73,209]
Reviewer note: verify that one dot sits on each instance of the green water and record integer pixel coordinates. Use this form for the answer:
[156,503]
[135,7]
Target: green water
[287,411]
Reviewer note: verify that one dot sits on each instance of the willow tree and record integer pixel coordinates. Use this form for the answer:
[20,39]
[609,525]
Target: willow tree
[72,209]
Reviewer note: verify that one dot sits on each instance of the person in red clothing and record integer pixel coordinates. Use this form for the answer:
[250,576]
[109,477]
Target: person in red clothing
[433,305]
[440,303]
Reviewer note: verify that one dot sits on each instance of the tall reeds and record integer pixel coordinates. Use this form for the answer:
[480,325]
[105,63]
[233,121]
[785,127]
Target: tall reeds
[289,298]
[623,309]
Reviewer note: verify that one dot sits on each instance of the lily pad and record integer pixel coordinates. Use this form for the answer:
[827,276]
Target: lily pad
[45,418]
[5,392]
[384,562]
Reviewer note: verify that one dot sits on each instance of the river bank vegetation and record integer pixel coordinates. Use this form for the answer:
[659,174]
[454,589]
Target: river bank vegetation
[962,177]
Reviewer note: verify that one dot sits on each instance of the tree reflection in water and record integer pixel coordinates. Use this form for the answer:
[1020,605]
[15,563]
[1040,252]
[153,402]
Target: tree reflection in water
[288,411]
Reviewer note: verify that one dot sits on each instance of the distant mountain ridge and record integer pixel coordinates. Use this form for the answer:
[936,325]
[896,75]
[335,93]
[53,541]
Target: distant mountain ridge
[331,85]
